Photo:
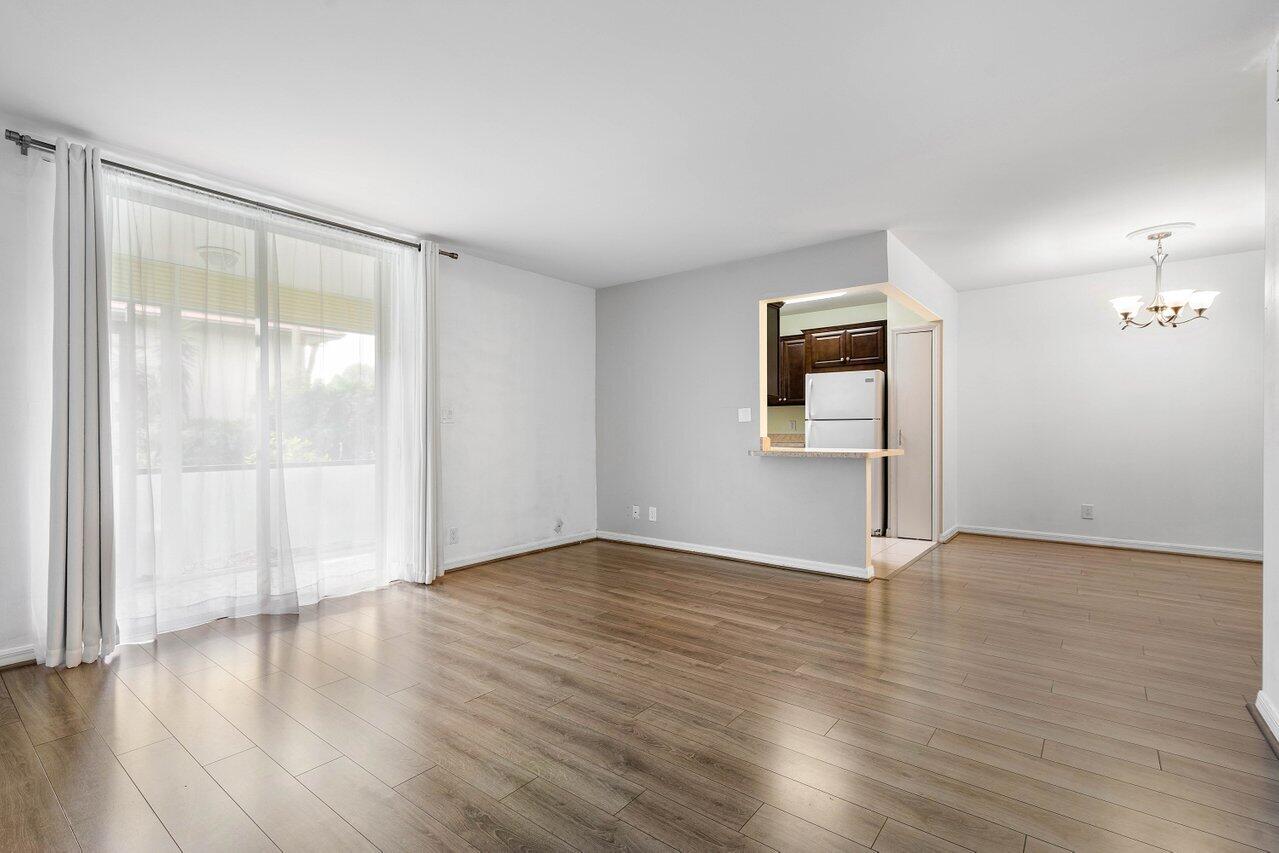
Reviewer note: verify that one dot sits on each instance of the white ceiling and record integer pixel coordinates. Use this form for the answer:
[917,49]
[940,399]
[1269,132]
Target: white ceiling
[603,141]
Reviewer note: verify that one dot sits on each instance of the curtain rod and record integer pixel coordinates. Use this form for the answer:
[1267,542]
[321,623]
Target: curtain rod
[25,142]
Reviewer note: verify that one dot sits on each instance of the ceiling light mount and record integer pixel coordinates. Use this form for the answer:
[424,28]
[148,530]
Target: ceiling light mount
[1167,305]
[1157,232]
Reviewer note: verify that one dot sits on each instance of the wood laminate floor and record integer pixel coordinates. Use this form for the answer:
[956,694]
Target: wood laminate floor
[996,695]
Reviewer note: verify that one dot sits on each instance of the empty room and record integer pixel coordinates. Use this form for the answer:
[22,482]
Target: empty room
[593,425]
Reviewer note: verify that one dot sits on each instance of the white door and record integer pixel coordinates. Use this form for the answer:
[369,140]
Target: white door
[842,395]
[911,486]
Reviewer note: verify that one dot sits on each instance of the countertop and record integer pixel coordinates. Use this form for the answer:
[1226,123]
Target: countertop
[829,452]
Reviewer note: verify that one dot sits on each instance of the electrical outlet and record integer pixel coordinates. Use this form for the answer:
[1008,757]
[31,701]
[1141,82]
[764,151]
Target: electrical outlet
[634,512]
[452,535]
[1085,511]
[447,416]
[793,427]
[743,416]
[652,513]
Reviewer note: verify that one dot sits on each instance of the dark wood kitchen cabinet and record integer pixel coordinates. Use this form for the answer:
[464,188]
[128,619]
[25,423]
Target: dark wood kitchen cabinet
[826,349]
[772,334]
[867,345]
[791,371]
[857,346]
[861,346]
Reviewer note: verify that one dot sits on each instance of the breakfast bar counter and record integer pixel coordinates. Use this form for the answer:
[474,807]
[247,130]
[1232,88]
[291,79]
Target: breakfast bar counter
[857,532]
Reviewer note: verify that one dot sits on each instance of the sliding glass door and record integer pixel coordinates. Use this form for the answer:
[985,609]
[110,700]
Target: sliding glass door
[268,408]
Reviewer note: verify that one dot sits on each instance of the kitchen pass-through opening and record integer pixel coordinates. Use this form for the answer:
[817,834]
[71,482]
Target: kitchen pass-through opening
[860,368]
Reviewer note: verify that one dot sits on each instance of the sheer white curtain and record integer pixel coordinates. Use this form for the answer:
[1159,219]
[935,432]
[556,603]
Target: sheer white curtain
[269,385]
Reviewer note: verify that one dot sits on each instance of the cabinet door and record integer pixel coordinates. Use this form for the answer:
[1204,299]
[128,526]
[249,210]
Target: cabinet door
[865,345]
[826,349]
[772,340]
[793,369]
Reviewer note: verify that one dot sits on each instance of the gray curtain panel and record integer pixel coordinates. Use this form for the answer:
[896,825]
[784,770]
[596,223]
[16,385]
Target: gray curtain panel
[81,622]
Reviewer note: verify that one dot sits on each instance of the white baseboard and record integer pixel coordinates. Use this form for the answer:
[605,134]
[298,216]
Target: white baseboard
[516,550]
[1268,712]
[856,572]
[1133,544]
[17,654]
[950,534]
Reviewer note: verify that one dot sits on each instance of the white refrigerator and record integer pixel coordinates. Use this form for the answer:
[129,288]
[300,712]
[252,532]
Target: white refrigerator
[846,409]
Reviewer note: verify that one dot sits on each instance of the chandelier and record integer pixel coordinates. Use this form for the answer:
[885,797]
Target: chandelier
[1168,308]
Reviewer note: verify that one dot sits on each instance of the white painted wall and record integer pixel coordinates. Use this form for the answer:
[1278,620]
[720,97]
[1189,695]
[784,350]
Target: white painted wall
[26,292]
[517,369]
[1268,699]
[1061,408]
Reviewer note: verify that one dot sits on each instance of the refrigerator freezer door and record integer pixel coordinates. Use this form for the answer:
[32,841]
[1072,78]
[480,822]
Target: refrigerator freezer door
[862,435]
[844,395]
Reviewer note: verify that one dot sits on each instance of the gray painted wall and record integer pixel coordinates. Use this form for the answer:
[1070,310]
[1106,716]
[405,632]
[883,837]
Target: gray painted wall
[676,357]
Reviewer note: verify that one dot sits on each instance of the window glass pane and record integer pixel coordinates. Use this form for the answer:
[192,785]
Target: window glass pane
[323,313]
[250,408]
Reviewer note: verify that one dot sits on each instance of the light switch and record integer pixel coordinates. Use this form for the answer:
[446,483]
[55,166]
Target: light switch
[743,416]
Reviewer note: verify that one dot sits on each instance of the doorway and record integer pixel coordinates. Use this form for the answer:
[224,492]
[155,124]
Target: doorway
[914,426]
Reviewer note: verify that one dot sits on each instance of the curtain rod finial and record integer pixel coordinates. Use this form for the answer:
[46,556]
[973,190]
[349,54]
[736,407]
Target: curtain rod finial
[23,140]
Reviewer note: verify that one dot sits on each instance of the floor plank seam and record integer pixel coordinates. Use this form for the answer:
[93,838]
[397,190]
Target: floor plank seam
[1112,666]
